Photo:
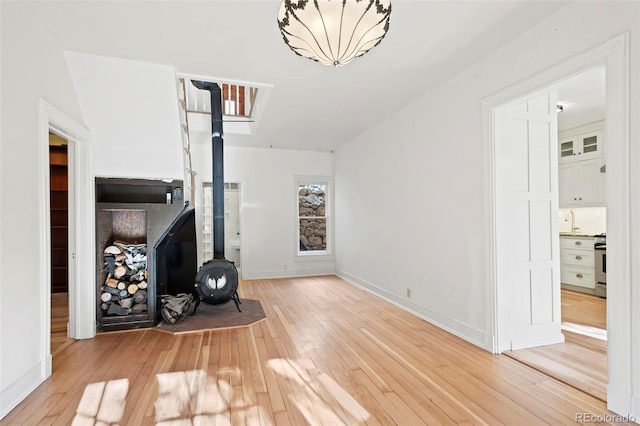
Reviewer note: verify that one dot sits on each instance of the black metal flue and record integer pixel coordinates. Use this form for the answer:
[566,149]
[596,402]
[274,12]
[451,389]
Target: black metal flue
[217,139]
[217,280]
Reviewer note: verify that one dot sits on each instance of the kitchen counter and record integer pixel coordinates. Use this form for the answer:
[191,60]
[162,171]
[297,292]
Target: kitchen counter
[577,234]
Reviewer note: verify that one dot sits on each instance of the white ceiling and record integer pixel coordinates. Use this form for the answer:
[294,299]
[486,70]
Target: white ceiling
[583,98]
[311,106]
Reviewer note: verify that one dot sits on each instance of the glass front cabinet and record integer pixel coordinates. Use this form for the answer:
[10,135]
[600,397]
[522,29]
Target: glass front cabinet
[580,147]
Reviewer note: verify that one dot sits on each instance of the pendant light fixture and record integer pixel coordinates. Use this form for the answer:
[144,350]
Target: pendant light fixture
[333,32]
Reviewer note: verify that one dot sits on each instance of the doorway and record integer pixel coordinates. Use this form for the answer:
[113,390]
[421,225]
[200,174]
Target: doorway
[232,223]
[614,55]
[581,360]
[582,215]
[59,231]
[80,216]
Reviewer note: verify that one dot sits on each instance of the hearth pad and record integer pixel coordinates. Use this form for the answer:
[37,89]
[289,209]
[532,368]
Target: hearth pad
[214,317]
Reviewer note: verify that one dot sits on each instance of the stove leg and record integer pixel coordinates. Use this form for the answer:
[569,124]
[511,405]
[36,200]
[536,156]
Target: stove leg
[237,301]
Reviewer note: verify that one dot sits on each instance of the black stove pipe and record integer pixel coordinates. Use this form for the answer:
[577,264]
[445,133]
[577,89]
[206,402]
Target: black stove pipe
[218,165]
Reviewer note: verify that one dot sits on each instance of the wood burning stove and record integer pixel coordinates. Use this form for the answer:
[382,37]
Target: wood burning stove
[217,280]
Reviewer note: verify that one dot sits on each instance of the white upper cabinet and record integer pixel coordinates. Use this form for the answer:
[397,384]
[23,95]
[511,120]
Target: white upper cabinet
[580,172]
[583,146]
[581,183]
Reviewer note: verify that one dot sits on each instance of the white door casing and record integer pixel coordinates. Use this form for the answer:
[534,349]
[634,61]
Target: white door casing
[528,255]
[81,217]
[614,54]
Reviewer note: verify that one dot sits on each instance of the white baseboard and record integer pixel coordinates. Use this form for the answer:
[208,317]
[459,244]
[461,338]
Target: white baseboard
[551,339]
[470,334]
[13,394]
[285,273]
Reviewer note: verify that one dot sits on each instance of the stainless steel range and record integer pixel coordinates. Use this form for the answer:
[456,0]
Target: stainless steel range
[600,247]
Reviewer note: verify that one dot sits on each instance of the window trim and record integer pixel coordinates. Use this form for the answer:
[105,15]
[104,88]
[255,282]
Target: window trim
[315,255]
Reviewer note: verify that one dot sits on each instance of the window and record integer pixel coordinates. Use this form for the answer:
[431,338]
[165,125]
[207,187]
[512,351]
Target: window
[313,218]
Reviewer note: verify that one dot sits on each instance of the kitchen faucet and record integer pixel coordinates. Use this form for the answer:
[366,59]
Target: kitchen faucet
[574,228]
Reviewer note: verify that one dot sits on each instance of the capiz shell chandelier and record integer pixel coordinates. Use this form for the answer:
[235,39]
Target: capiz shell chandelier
[333,31]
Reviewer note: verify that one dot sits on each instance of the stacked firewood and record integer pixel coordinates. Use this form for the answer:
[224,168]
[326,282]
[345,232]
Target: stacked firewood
[124,291]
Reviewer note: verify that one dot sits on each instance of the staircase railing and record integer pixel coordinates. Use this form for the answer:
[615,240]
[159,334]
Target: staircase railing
[238,107]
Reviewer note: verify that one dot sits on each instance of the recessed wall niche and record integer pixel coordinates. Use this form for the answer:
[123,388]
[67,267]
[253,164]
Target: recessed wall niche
[131,215]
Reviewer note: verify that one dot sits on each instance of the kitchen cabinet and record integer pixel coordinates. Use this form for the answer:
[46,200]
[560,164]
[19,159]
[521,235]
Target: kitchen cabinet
[583,146]
[581,184]
[580,160]
[577,257]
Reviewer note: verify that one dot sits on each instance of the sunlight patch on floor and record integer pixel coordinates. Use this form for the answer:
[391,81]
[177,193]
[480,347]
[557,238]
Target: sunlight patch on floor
[102,403]
[324,401]
[194,398]
[585,330]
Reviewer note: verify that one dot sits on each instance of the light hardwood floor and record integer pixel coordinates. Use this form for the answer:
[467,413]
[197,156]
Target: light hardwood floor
[59,320]
[328,353]
[585,309]
[581,361]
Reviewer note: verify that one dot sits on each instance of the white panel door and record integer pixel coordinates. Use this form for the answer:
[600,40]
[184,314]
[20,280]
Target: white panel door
[528,253]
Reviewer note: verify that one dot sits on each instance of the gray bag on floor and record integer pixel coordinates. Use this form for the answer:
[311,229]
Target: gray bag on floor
[175,308]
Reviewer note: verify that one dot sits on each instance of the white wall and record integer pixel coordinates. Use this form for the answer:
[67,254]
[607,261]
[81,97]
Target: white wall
[416,180]
[418,177]
[268,218]
[132,110]
[33,66]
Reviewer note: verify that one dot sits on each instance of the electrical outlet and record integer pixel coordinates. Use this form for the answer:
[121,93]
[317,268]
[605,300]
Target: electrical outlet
[409,293]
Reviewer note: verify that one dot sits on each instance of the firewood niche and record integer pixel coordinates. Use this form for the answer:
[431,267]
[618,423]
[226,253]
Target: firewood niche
[131,215]
[125,289]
